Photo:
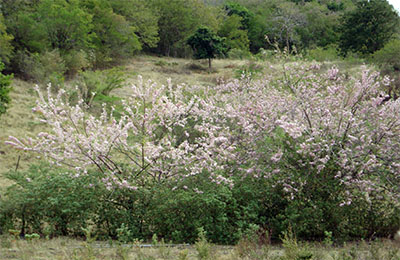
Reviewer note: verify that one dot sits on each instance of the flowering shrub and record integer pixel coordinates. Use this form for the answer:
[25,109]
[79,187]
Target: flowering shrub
[312,123]
[327,144]
[162,135]
[301,123]
[324,140]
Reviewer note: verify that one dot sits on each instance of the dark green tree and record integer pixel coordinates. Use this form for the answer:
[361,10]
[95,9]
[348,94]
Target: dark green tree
[237,9]
[206,44]
[5,88]
[369,27]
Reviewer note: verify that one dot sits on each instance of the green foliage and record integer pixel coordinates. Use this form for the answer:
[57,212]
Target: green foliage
[253,244]
[233,8]
[48,67]
[75,61]
[177,214]
[5,82]
[239,54]
[388,60]
[250,70]
[321,27]
[389,56]
[293,250]
[256,33]
[141,17]
[67,26]
[5,42]
[206,44]
[51,202]
[328,53]
[369,27]
[93,85]
[42,195]
[178,19]
[56,24]
[113,37]
[124,235]
[235,38]
[203,248]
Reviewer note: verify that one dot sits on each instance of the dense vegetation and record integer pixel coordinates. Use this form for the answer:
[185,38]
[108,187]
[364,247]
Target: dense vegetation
[47,40]
[309,149]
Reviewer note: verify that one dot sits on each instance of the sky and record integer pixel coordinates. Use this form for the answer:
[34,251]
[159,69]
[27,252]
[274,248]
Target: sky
[396,4]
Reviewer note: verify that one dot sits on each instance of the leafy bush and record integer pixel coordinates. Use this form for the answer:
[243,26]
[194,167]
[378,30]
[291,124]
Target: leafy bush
[50,202]
[76,61]
[98,84]
[238,54]
[48,67]
[113,37]
[264,54]
[388,60]
[389,56]
[177,214]
[320,54]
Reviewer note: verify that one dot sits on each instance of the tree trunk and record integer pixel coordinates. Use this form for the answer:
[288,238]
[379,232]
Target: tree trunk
[209,64]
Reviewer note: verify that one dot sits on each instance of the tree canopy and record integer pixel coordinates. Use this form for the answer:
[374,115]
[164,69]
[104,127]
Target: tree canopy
[369,27]
[206,44]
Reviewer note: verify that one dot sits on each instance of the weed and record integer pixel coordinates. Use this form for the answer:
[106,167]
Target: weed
[124,235]
[252,246]
[328,240]
[163,250]
[293,250]
[203,247]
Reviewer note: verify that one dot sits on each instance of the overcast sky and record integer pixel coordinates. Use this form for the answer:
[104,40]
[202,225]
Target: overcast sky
[396,4]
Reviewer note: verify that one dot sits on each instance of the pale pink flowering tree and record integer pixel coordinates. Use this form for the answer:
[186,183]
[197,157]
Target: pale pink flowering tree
[311,125]
[306,126]
[162,135]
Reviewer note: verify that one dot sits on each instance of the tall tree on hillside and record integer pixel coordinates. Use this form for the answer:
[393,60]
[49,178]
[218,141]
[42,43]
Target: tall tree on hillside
[366,29]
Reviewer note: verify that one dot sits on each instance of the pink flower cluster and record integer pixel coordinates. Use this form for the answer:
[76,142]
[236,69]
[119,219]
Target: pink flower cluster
[162,134]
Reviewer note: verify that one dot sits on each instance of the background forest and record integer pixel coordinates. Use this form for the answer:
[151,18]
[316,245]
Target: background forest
[54,39]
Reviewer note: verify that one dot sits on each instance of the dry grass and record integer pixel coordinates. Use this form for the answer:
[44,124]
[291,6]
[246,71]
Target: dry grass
[67,249]
[18,121]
